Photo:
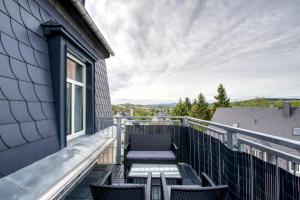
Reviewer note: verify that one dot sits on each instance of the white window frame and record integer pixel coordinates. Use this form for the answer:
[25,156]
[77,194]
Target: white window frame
[294,131]
[83,85]
[297,166]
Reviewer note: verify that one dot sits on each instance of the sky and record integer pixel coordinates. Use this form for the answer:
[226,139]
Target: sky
[169,49]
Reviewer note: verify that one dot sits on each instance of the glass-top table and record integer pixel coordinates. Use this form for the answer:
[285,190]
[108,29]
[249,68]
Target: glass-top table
[171,171]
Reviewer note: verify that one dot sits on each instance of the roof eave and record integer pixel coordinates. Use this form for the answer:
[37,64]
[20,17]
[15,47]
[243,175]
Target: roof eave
[87,18]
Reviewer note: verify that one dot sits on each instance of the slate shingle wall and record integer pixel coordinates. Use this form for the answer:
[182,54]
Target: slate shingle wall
[102,97]
[28,129]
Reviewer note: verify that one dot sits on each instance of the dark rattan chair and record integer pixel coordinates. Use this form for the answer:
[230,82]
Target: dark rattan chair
[108,191]
[150,148]
[208,191]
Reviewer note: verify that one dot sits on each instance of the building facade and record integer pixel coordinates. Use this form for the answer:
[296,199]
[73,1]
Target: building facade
[53,79]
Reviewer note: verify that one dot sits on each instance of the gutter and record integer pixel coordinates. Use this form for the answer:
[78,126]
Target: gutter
[87,18]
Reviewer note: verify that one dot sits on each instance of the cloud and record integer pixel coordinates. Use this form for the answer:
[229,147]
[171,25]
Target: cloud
[175,48]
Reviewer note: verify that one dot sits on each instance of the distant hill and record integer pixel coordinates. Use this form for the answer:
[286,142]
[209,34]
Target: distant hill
[150,105]
[266,102]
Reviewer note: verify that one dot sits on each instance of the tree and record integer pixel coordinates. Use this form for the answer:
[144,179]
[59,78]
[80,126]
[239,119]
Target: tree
[222,99]
[139,111]
[187,106]
[200,108]
[182,108]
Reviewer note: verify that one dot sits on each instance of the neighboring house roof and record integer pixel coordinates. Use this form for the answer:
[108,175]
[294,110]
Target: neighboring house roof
[266,120]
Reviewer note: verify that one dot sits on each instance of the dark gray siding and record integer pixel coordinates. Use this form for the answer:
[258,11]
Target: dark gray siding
[102,97]
[28,128]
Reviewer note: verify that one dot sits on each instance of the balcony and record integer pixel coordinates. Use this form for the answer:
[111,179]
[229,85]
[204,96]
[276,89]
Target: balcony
[228,155]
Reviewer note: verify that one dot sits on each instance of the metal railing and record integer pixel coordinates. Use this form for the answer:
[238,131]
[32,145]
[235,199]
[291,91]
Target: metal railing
[278,152]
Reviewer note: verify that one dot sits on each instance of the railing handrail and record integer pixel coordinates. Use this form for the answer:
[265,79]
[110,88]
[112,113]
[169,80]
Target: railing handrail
[273,151]
[255,134]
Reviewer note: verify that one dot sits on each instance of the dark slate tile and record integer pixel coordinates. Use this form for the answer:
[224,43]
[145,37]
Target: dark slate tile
[11,135]
[27,90]
[27,53]
[39,75]
[13,9]
[47,127]
[34,7]
[2,51]
[20,32]
[29,154]
[35,110]
[31,22]
[19,69]
[45,16]
[2,7]
[10,88]
[42,59]
[2,145]
[12,160]
[37,42]
[24,4]
[5,67]
[20,111]
[30,131]
[2,97]
[6,117]
[49,110]
[47,146]
[11,46]
[44,93]
[5,24]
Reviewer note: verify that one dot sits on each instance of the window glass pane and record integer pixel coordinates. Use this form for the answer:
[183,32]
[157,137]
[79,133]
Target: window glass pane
[69,108]
[70,69]
[78,73]
[74,70]
[296,131]
[78,113]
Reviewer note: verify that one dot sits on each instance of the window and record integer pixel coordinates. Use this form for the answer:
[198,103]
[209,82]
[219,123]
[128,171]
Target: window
[75,97]
[292,168]
[296,131]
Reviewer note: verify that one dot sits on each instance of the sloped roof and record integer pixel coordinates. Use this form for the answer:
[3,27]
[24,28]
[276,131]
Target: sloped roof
[266,120]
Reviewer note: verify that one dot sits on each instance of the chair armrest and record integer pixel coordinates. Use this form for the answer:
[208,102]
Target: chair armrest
[107,180]
[164,187]
[206,181]
[174,148]
[127,147]
[148,186]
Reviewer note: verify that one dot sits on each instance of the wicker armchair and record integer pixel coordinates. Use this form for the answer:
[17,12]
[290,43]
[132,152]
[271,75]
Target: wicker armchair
[209,191]
[150,148]
[108,191]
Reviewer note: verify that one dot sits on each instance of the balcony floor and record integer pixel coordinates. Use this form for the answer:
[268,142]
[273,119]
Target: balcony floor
[82,191]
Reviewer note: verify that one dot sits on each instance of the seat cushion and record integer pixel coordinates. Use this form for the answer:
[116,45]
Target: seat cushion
[151,155]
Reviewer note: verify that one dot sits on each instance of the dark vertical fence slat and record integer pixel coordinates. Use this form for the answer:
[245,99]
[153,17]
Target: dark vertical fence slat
[207,154]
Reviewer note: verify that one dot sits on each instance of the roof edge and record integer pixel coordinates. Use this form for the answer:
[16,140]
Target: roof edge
[87,18]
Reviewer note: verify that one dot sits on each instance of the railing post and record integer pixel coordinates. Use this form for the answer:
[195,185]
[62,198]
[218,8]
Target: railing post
[185,122]
[118,153]
[232,140]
